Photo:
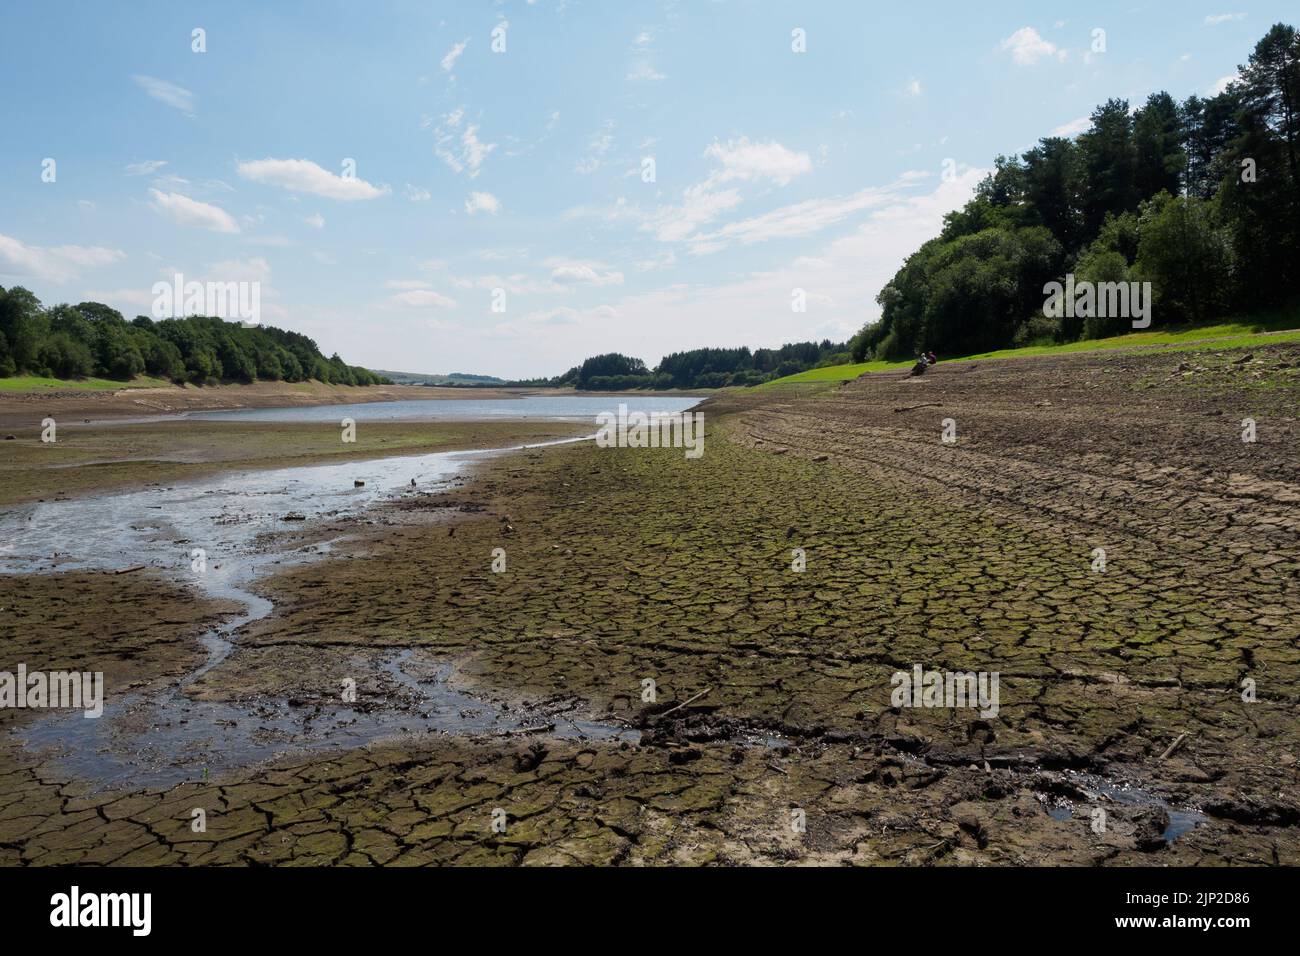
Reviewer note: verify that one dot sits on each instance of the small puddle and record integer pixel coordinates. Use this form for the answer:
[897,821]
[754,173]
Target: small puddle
[1180,821]
[164,738]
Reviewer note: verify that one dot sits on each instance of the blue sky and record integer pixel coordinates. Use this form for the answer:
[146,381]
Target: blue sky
[522,170]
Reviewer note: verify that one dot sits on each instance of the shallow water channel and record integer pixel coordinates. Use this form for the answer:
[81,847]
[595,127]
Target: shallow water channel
[238,520]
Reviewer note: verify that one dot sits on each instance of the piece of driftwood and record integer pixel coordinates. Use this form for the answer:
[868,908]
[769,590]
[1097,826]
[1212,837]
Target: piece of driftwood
[525,731]
[1174,746]
[689,700]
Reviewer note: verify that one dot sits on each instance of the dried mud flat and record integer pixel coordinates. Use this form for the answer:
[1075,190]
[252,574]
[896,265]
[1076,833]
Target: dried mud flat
[627,565]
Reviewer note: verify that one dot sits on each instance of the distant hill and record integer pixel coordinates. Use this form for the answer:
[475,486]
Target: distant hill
[455,378]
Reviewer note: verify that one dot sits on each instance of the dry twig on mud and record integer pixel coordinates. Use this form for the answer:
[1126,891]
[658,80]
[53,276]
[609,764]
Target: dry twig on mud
[1172,747]
[689,700]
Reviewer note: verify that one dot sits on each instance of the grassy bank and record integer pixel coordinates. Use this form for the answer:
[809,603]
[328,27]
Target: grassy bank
[31,383]
[1272,329]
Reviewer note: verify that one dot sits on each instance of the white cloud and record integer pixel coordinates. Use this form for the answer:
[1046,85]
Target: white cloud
[703,203]
[304,176]
[583,273]
[578,324]
[87,256]
[449,61]
[699,205]
[255,269]
[1027,47]
[421,299]
[841,274]
[643,72]
[52,263]
[416,193]
[803,218]
[1213,20]
[742,159]
[1221,84]
[482,202]
[497,255]
[516,283]
[662,260]
[597,147]
[1072,128]
[472,151]
[185,211]
[316,221]
[913,87]
[141,299]
[618,211]
[147,168]
[169,93]
[842,278]
[170,182]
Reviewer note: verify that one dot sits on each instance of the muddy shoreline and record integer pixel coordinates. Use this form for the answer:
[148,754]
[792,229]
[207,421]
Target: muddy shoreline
[772,687]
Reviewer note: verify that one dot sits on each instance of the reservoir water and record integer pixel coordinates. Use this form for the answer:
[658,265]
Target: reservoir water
[553,407]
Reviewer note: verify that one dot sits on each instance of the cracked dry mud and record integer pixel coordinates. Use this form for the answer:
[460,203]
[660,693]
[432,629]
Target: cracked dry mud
[631,564]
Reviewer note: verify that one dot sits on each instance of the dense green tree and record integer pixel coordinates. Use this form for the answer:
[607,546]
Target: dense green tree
[1186,255]
[607,365]
[117,353]
[1097,265]
[1270,84]
[1109,165]
[981,287]
[1208,127]
[1201,199]
[699,368]
[1260,192]
[93,339]
[162,359]
[22,324]
[62,356]
[1159,158]
[1052,177]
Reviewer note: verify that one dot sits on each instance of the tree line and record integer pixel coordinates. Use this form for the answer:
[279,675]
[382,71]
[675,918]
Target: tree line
[91,339]
[1199,198]
[698,368]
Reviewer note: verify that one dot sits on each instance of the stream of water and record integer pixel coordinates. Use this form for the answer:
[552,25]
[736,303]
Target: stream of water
[238,520]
